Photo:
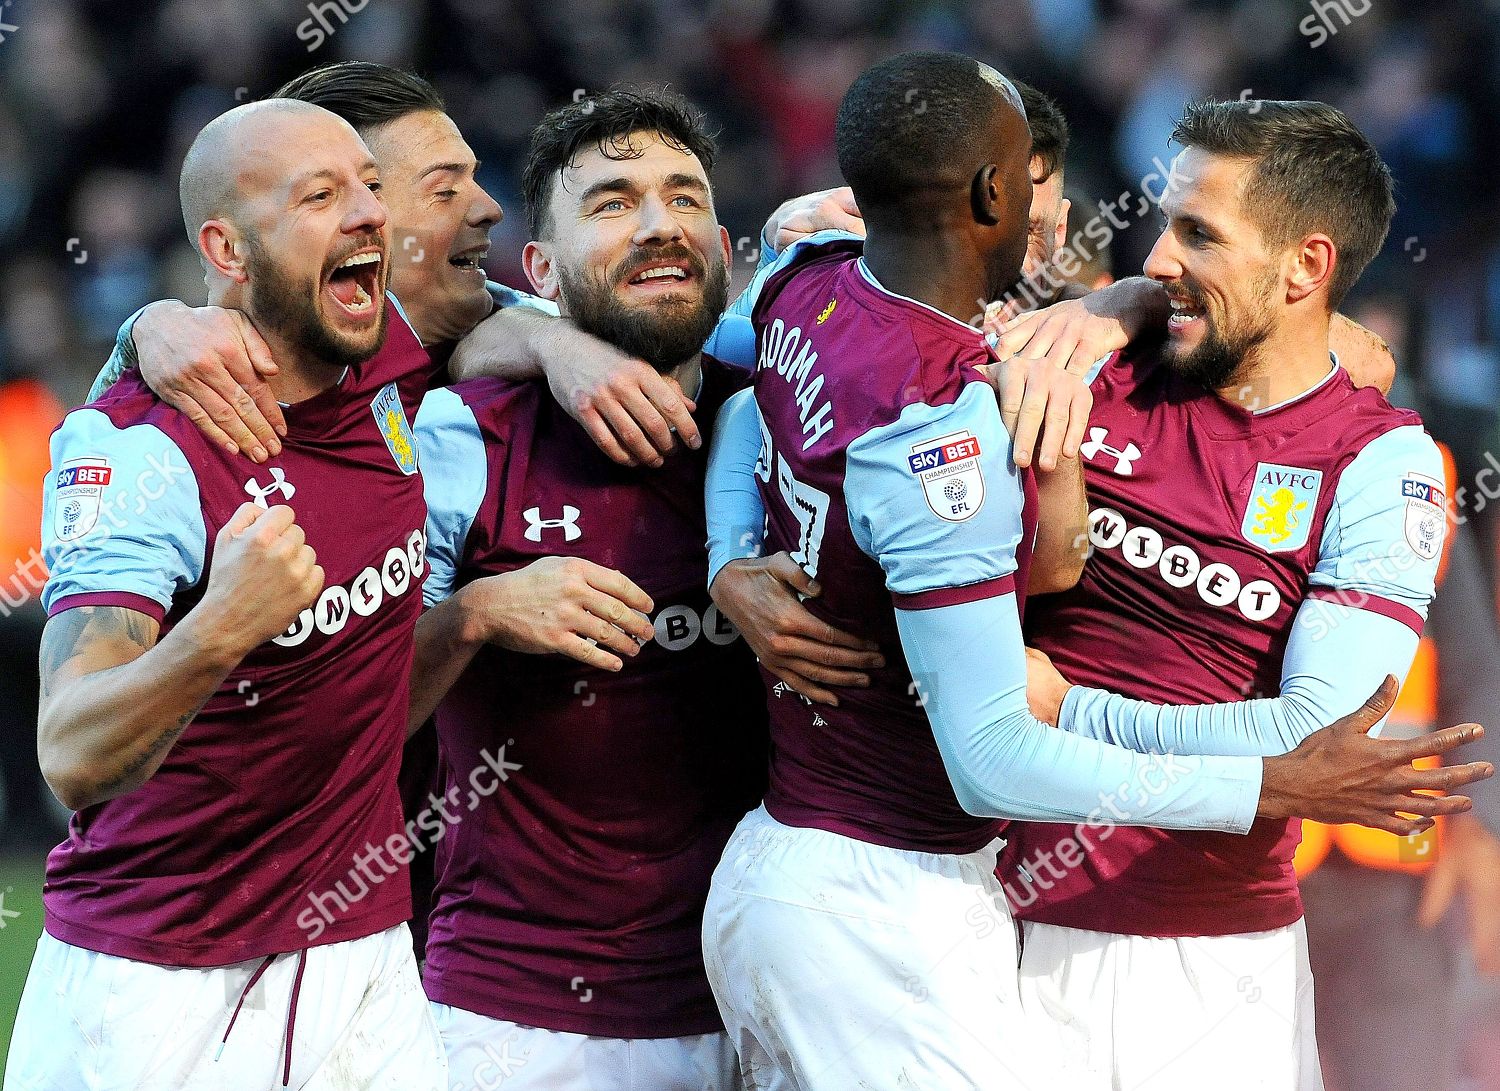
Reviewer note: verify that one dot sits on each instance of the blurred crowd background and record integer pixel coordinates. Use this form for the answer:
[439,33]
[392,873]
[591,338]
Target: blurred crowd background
[99,99]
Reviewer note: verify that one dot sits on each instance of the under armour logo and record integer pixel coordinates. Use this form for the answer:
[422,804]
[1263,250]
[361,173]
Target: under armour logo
[1124,460]
[279,484]
[535,524]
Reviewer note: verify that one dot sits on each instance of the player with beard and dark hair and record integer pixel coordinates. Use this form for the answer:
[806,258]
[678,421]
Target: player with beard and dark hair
[855,932]
[567,915]
[222,707]
[1268,537]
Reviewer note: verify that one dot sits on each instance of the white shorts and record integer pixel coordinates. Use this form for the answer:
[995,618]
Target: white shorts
[1140,1013]
[838,964]
[487,1054]
[95,1021]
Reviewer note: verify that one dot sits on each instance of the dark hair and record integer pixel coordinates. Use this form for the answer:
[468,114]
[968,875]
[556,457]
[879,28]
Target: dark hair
[1049,129]
[363,93]
[913,124]
[1313,171]
[607,120]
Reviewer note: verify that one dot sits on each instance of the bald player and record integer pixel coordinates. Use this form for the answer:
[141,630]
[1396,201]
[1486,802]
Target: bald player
[224,682]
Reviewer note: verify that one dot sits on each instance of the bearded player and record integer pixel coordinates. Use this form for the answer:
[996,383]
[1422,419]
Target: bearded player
[838,932]
[1260,527]
[568,910]
[223,708]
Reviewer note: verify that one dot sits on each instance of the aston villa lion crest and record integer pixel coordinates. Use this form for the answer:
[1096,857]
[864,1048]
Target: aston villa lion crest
[394,427]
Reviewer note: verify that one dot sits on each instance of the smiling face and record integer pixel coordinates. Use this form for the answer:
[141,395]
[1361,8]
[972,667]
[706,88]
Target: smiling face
[631,247]
[307,239]
[440,222]
[1221,277]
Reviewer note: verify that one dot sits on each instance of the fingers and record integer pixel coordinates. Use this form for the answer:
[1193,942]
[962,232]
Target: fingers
[258,351]
[244,515]
[1078,418]
[1009,381]
[603,438]
[618,586]
[792,574]
[206,409]
[805,686]
[829,665]
[590,655]
[615,615]
[607,634]
[668,400]
[640,449]
[649,419]
[1439,742]
[1017,333]
[843,196]
[1369,714]
[248,427]
[1446,778]
[262,367]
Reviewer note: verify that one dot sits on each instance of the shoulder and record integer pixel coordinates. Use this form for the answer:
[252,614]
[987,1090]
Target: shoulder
[489,406]
[827,251]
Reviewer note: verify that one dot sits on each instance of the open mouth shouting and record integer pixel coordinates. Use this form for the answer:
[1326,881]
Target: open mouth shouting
[354,283]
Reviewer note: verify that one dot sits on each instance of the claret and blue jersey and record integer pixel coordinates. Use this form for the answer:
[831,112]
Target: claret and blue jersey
[289,771]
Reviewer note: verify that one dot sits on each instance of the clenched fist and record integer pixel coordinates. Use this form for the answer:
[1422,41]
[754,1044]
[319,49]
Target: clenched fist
[264,574]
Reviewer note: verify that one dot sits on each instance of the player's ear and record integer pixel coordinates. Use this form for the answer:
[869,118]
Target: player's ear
[1311,266]
[223,250]
[984,195]
[1061,239]
[541,270]
[728,250]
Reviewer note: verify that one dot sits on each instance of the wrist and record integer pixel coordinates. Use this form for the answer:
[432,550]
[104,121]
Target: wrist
[1273,801]
[215,640]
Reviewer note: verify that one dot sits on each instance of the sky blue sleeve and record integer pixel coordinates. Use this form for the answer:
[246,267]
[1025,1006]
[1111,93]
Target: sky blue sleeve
[121,517]
[505,296]
[454,479]
[969,665]
[935,498]
[736,515]
[1336,657]
[1383,539]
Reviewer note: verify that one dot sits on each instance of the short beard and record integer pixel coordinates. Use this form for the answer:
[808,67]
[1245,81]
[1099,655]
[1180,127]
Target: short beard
[1213,364]
[664,333]
[289,309]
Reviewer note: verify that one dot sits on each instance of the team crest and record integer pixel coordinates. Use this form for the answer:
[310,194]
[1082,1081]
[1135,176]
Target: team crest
[391,417]
[1279,516]
[951,478]
[1426,515]
[80,491]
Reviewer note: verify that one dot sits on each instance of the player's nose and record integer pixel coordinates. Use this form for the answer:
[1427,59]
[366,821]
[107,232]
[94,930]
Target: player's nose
[366,213]
[1162,263]
[656,223]
[485,211]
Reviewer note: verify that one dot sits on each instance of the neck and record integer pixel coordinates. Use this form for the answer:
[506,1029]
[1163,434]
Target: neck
[1290,361]
[300,374]
[689,376]
[932,266]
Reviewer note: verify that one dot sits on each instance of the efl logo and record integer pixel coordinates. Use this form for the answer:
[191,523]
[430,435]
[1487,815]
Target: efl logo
[952,480]
[942,452]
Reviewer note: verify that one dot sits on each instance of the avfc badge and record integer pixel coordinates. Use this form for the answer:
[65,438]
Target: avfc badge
[1279,516]
[391,417]
[80,489]
[951,478]
[1426,515]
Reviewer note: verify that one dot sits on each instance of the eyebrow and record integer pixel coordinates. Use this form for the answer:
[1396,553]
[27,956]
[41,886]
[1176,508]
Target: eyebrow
[328,174]
[623,184]
[456,168]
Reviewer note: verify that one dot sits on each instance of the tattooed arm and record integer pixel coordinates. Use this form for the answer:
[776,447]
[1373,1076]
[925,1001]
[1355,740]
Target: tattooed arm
[115,699]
